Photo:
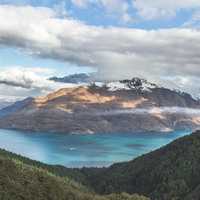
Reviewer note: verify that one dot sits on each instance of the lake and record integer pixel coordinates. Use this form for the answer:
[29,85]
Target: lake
[84,150]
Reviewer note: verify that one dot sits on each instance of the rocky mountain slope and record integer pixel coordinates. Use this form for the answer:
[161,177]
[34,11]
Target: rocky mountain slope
[125,106]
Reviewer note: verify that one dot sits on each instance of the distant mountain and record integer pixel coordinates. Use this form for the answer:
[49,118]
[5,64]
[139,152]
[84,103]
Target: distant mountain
[17,106]
[4,103]
[74,78]
[121,106]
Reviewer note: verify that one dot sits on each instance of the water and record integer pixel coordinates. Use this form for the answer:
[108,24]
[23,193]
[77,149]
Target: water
[84,150]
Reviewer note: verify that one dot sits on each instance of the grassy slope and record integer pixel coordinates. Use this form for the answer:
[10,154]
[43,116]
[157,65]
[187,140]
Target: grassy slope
[23,179]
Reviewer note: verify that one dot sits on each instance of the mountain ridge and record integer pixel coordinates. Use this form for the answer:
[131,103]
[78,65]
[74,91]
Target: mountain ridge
[126,106]
[171,172]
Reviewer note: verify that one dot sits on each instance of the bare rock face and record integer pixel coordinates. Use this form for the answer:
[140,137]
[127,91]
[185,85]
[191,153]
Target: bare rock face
[125,106]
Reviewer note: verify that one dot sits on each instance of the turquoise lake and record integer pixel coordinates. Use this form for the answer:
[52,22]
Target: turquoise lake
[84,150]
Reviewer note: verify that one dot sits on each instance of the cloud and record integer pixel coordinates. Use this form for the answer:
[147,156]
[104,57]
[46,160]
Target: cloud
[194,21]
[154,9]
[119,8]
[114,8]
[26,78]
[20,82]
[116,52]
[145,9]
[81,3]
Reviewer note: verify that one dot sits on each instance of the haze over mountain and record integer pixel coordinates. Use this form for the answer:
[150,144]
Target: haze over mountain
[4,104]
[122,106]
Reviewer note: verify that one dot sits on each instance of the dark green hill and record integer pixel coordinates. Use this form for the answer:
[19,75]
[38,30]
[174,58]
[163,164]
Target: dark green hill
[170,173]
[36,181]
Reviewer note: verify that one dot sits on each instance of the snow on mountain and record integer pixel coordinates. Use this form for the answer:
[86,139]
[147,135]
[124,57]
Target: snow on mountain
[135,83]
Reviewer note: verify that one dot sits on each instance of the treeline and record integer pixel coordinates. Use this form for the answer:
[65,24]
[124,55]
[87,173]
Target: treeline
[23,179]
[169,173]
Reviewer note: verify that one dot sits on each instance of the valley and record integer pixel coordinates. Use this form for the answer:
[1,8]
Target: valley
[97,150]
[171,172]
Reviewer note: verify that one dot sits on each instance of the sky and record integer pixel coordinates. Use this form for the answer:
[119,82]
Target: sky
[157,40]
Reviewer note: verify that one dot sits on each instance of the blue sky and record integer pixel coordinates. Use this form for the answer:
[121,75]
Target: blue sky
[97,13]
[155,39]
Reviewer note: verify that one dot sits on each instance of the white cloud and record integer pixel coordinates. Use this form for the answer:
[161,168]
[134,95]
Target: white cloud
[119,8]
[20,82]
[26,78]
[147,9]
[81,3]
[60,8]
[113,8]
[116,52]
[194,21]
[115,5]
[151,9]
[126,18]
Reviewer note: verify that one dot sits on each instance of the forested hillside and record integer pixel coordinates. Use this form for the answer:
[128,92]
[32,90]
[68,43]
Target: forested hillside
[22,181]
[172,172]
[169,173]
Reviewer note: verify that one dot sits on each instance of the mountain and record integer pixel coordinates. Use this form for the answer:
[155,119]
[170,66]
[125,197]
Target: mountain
[4,104]
[17,106]
[34,181]
[121,106]
[171,172]
[74,78]
[7,101]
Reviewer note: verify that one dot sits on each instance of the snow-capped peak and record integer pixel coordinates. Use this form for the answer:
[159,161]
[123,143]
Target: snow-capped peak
[134,83]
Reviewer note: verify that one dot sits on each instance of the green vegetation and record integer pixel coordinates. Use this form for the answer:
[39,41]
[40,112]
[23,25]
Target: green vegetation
[170,173]
[23,179]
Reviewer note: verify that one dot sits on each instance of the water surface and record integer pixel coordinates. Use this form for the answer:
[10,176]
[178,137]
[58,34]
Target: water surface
[84,150]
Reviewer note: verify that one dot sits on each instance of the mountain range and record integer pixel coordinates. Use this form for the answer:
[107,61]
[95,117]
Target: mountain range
[120,106]
[4,104]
